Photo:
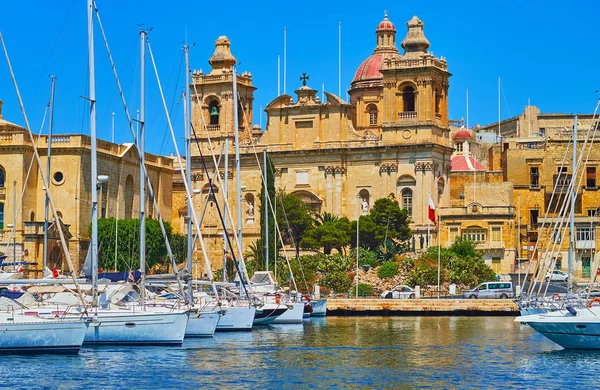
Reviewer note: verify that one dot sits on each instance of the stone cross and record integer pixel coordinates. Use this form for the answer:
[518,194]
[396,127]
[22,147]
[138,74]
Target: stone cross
[304,78]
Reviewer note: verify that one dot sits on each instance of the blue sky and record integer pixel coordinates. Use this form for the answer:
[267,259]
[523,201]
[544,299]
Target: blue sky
[542,50]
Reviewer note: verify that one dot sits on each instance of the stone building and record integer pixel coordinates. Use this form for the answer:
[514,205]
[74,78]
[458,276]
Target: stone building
[481,204]
[70,189]
[391,139]
[534,147]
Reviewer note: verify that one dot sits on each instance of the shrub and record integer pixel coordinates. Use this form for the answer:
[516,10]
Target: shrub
[365,289]
[388,270]
[423,275]
[338,282]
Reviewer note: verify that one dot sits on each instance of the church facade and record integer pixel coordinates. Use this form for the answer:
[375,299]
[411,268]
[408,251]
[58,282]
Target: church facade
[390,140]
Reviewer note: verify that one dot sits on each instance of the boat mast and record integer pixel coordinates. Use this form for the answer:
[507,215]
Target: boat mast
[94,167]
[188,167]
[142,175]
[572,215]
[45,249]
[266,203]
[238,182]
[225,209]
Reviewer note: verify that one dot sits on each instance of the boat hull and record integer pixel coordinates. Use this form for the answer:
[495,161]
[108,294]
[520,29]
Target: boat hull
[574,334]
[236,319]
[319,307]
[202,324]
[268,313]
[143,328]
[292,315]
[46,336]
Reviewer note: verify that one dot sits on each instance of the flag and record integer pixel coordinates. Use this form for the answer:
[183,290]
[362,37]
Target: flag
[431,210]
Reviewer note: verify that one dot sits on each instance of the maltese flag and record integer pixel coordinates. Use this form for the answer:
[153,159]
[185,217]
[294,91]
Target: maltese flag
[431,209]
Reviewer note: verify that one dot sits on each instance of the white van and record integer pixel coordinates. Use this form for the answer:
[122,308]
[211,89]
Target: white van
[491,290]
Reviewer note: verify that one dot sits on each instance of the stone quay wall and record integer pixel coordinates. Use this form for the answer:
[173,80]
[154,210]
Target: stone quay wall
[421,307]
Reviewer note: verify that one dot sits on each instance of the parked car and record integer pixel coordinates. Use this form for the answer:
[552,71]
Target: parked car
[556,276]
[491,290]
[399,292]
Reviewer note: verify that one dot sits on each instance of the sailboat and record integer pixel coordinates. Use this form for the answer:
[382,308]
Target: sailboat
[576,323]
[23,332]
[130,324]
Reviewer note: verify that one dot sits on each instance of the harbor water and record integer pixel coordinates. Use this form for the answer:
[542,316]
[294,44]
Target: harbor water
[333,352]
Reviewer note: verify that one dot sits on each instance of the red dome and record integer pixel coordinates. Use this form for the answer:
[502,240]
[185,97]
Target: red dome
[369,69]
[386,25]
[462,134]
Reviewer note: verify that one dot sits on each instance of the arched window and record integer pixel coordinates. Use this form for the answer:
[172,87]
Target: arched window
[438,100]
[32,216]
[372,110]
[2,177]
[213,112]
[128,197]
[408,97]
[407,200]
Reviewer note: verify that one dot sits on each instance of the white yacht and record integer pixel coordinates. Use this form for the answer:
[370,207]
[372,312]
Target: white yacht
[570,328]
[30,333]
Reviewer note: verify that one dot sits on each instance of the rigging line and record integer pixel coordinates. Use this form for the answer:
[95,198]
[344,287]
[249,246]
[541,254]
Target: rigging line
[10,235]
[505,100]
[143,166]
[44,71]
[42,175]
[186,184]
[578,173]
[248,131]
[173,100]
[567,200]
[225,200]
[212,192]
[115,89]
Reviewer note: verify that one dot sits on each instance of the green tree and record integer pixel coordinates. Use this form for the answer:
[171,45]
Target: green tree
[386,220]
[273,240]
[293,218]
[128,243]
[329,232]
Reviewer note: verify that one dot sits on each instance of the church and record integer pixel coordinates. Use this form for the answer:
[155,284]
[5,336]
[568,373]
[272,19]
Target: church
[392,139]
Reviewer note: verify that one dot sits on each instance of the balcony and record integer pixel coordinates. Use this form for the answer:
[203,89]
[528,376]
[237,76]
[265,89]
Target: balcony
[407,115]
[562,182]
[585,244]
[213,127]
[33,229]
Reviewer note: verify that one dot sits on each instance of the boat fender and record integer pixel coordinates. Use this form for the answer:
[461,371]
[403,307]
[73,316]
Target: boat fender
[571,310]
[593,301]
[277,299]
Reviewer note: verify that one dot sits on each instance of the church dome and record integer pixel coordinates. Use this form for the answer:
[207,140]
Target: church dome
[462,135]
[385,48]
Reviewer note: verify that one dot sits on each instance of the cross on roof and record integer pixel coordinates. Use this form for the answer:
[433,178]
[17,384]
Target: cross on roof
[304,78]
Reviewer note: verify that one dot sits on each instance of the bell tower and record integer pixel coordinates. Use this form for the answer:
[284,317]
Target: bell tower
[212,98]
[415,83]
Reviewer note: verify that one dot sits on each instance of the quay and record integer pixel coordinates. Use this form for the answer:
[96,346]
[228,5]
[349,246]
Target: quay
[421,307]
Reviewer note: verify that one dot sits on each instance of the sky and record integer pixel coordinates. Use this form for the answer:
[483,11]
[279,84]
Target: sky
[544,51]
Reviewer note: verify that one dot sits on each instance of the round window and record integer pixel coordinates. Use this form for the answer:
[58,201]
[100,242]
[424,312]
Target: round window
[58,177]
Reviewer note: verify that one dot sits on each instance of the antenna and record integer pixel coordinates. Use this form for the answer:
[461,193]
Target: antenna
[340,59]
[498,105]
[284,58]
[467,108]
[278,75]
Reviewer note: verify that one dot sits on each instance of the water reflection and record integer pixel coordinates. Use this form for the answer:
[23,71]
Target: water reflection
[392,352]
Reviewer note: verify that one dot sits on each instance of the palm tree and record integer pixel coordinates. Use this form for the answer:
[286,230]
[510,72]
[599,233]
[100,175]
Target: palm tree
[326,217]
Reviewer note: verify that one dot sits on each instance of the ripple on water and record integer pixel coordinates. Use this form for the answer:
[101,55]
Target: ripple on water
[336,352]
